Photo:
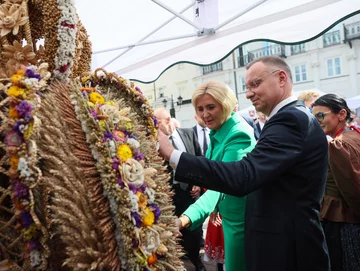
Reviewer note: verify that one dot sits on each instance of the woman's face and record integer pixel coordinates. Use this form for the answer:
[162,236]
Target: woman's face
[210,111]
[330,122]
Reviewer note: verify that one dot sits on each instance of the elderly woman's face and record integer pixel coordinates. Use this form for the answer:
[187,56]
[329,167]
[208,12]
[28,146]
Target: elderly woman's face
[210,111]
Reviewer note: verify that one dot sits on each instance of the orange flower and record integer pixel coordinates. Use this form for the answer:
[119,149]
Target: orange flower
[14,161]
[13,114]
[142,202]
[152,259]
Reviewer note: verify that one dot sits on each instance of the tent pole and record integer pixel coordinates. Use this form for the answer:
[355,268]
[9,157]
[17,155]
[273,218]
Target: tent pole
[239,14]
[177,14]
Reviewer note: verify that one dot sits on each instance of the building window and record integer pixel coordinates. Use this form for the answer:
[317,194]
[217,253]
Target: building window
[333,66]
[243,87]
[300,73]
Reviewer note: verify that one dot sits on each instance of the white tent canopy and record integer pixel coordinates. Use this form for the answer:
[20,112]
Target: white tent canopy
[354,102]
[127,24]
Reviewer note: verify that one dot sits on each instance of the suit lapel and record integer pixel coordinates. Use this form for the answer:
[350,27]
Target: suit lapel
[185,139]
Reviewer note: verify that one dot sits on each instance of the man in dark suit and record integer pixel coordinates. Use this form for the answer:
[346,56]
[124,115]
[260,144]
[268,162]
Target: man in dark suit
[284,176]
[185,194]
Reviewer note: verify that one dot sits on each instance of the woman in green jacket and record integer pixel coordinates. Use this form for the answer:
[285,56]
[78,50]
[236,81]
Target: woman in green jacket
[230,139]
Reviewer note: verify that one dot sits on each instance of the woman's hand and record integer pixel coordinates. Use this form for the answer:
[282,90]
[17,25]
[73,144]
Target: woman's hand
[216,219]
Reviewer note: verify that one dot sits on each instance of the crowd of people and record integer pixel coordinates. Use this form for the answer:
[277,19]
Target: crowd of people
[283,193]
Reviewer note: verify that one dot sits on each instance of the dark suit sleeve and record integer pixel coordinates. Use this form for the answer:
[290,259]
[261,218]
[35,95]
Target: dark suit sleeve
[280,148]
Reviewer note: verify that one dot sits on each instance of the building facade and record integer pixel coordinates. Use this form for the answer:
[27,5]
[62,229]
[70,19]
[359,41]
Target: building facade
[330,63]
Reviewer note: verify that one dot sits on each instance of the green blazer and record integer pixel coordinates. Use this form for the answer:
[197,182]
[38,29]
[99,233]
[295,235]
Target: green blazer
[230,143]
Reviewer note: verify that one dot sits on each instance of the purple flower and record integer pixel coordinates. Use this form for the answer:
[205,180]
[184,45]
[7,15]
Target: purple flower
[34,245]
[92,111]
[115,164]
[31,74]
[138,89]
[26,219]
[107,135]
[137,219]
[155,120]
[28,118]
[21,191]
[135,243]
[23,108]
[142,188]
[137,155]
[133,187]
[17,127]
[156,210]
[120,182]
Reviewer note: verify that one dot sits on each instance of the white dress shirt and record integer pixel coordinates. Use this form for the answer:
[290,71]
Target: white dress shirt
[200,135]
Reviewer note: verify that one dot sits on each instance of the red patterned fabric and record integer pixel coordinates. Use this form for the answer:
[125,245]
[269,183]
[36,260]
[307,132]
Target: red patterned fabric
[214,243]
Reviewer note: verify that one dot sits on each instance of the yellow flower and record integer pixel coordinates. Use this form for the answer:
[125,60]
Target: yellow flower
[13,113]
[96,98]
[124,152]
[14,161]
[92,105]
[29,130]
[15,91]
[110,103]
[85,79]
[16,78]
[102,125]
[29,232]
[149,217]
[128,125]
[142,202]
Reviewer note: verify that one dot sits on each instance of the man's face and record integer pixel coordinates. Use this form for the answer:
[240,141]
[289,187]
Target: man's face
[265,87]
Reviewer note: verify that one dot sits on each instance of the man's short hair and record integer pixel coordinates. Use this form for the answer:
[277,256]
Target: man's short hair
[273,61]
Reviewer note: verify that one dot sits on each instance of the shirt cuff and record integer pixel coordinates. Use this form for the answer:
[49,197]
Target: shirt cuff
[175,158]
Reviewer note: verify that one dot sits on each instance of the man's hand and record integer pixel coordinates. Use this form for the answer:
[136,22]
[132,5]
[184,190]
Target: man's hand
[195,192]
[165,148]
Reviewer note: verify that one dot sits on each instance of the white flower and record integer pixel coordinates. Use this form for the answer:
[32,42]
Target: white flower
[112,147]
[134,201]
[133,143]
[150,241]
[35,258]
[151,194]
[132,172]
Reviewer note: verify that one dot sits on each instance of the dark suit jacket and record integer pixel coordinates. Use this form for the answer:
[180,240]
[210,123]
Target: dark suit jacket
[252,124]
[284,177]
[182,198]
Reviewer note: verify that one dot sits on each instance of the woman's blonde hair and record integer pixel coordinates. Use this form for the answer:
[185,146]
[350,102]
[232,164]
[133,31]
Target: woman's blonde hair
[220,92]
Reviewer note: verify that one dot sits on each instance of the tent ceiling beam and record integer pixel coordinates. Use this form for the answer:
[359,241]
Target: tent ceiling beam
[177,14]
[140,42]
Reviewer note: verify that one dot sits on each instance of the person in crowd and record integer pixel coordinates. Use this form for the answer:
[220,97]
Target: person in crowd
[176,123]
[230,139]
[185,194]
[202,134]
[357,123]
[308,97]
[262,118]
[284,176]
[249,121]
[340,210]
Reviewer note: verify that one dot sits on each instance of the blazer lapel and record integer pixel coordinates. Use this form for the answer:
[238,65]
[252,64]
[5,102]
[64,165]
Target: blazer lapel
[185,139]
